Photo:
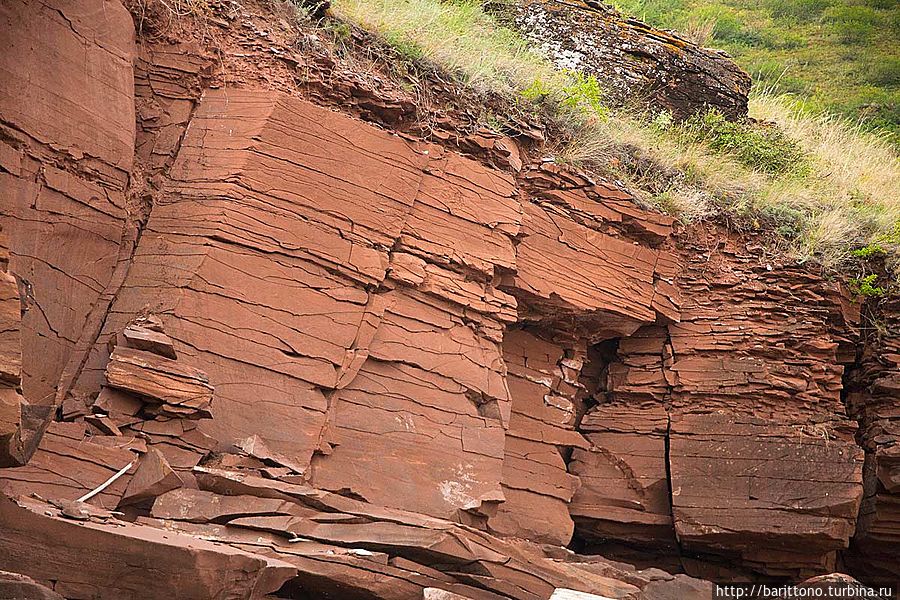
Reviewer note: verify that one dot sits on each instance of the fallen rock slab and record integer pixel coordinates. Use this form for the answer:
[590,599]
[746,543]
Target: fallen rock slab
[152,478]
[110,561]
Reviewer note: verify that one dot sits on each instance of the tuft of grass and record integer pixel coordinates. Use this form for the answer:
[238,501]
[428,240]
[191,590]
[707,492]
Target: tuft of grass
[855,173]
[700,29]
[459,37]
[824,184]
[758,147]
[463,40]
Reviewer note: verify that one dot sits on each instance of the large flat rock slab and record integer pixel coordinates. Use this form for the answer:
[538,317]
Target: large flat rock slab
[779,497]
[95,560]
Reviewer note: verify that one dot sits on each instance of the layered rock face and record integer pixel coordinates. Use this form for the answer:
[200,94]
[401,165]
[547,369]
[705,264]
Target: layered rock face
[67,151]
[734,413]
[874,390]
[304,356]
[636,63]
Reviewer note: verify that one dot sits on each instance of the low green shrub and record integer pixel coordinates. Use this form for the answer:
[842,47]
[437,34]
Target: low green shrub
[787,221]
[865,286]
[851,24]
[763,148]
[884,73]
[868,251]
[579,95]
[583,93]
[730,27]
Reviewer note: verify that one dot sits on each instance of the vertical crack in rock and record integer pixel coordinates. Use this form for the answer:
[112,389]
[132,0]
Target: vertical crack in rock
[746,396]
[872,390]
[624,505]
[586,271]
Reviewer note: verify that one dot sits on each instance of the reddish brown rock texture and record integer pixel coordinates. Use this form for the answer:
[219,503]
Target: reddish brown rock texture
[12,404]
[283,351]
[874,390]
[624,493]
[67,148]
[759,457]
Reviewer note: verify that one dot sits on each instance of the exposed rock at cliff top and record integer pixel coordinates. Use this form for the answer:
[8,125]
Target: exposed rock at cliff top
[260,335]
[636,63]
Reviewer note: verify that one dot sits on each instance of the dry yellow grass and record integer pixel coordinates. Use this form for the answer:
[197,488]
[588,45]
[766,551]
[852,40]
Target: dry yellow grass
[458,36]
[855,183]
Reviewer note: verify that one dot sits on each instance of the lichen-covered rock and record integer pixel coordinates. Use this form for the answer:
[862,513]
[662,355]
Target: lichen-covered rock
[636,63]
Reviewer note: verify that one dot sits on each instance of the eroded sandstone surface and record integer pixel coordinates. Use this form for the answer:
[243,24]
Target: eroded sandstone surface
[260,337]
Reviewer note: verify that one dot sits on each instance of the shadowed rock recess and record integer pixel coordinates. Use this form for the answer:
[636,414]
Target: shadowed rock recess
[259,337]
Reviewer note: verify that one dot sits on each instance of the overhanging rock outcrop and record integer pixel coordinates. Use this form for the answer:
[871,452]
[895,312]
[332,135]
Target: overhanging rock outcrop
[274,350]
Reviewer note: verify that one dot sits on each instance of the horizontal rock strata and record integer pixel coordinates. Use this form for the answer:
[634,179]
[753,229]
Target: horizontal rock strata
[255,346]
[873,397]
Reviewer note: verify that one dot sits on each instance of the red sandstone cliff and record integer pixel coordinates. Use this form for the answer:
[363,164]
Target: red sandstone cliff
[344,361]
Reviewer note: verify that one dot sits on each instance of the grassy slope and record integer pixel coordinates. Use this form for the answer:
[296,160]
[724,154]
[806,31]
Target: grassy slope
[839,56]
[844,197]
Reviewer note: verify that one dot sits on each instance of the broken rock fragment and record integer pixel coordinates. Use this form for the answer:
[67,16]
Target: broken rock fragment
[174,389]
[257,448]
[152,478]
[68,463]
[148,335]
[564,594]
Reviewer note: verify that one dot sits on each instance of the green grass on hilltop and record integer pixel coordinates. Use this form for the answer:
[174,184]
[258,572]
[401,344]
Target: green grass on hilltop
[839,56]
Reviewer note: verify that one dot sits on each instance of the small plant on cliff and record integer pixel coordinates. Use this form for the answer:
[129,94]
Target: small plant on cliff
[537,90]
[868,251]
[865,286]
[576,95]
[582,93]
